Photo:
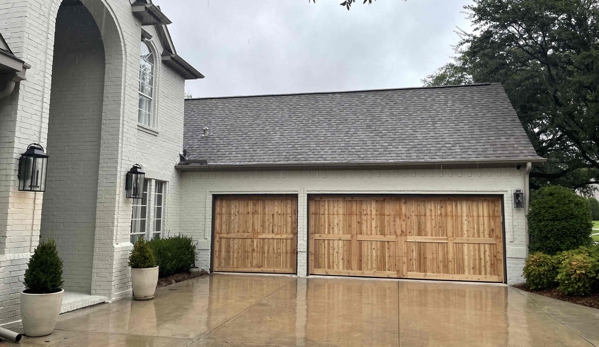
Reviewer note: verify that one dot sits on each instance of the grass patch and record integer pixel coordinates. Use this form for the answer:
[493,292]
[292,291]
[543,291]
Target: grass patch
[595,238]
[596,224]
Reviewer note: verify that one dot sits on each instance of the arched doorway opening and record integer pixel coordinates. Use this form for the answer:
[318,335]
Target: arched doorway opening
[74,132]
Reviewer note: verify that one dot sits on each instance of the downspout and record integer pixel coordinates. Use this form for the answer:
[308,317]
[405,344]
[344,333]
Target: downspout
[8,89]
[527,201]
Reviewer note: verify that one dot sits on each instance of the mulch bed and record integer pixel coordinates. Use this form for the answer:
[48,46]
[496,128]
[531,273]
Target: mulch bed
[590,301]
[167,281]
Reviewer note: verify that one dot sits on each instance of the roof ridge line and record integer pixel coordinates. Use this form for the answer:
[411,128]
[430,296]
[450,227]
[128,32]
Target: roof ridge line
[344,92]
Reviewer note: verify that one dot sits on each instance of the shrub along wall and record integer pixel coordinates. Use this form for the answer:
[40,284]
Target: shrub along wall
[559,220]
[173,254]
[574,272]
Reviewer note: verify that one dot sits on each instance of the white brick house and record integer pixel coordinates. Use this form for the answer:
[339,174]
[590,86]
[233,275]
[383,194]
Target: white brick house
[104,91]
[81,101]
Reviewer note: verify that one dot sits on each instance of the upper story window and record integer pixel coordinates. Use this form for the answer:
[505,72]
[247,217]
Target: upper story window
[146,86]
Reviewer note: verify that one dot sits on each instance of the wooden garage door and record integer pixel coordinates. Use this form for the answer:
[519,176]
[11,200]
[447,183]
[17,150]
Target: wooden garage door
[434,237]
[255,234]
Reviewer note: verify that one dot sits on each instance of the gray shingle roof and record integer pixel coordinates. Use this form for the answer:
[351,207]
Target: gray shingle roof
[458,124]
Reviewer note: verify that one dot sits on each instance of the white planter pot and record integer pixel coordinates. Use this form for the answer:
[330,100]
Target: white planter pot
[40,312]
[144,283]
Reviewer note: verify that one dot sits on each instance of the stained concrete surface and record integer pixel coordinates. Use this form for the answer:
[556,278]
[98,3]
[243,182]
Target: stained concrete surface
[252,310]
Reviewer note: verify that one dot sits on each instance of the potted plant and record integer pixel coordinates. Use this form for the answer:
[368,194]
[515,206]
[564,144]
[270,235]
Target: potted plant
[41,300]
[144,271]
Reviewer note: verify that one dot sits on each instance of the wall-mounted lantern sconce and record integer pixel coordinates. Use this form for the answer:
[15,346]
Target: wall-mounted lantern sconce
[518,198]
[134,184]
[33,166]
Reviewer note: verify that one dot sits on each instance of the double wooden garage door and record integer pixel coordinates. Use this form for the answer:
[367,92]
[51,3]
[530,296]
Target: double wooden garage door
[429,237]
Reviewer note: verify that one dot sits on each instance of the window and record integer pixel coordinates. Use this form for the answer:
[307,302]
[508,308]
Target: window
[146,86]
[139,217]
[148,217]
[158,209]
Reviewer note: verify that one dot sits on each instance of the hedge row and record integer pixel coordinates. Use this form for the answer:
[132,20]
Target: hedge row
[173,254]
[575,272]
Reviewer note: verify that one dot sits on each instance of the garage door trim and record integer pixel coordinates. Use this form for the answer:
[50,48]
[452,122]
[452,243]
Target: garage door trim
[432,195]
[213,234]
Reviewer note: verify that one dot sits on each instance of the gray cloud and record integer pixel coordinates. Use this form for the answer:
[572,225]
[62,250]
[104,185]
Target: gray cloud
[247,47]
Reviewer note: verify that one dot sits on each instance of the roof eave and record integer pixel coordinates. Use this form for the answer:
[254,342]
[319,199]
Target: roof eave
[149,14]
[191,166]
[178,64]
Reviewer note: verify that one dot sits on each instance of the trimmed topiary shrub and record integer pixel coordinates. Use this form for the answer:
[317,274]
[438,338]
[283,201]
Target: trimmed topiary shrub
[142,256]
[174,254]
[594,203]
[540,271]
[44,270]
[577,274]
[559,220]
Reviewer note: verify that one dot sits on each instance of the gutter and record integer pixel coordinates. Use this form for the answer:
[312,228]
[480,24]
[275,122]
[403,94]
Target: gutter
[12,80]
[202,165]
[179,64]
[149,14]
[527,201]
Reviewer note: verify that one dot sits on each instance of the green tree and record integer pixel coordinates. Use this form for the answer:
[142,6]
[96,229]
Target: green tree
[546,55]
[558,220]
[594,208]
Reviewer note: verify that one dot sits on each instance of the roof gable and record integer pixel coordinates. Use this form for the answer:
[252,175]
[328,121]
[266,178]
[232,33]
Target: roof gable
[457,124]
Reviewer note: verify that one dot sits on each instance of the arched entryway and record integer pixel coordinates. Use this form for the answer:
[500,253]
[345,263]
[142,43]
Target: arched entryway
[84,127]
[74,129]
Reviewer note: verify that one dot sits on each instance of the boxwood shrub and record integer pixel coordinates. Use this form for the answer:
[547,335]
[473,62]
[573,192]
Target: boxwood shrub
[173,254]
[142,256]
[540,271]
[559,220]
[577,274]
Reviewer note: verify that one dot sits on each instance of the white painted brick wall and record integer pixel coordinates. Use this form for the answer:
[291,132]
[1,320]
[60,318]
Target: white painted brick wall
[197,189]
[29,28]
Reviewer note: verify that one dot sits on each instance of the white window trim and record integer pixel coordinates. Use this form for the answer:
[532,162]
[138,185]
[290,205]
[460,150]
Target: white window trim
[154,98]
[151,210]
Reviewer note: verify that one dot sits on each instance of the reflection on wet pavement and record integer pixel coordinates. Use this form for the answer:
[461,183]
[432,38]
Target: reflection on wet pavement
[248,310]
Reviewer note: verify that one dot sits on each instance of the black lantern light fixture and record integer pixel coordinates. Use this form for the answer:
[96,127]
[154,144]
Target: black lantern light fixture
[33,166]
[134,185]
[518,198]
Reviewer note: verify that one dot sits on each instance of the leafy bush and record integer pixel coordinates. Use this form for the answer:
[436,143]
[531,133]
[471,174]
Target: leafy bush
[577,274]
[44,271]
[174,254]
[540,271]
[594,208]
[142,256]
[558,220]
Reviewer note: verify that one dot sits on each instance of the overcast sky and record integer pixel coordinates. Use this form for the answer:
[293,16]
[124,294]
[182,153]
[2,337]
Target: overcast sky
[248,47]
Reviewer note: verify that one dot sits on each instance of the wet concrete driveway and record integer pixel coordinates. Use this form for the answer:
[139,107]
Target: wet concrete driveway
[240,310]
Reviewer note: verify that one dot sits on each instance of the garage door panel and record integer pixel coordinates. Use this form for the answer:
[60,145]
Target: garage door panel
[333,255]
[234,253]
[429,258]
[255,234]
[445,237]
[377,256]
[274,253]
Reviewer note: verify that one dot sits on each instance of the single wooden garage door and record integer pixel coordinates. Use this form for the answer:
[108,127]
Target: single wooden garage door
[431,237]
[255,234]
